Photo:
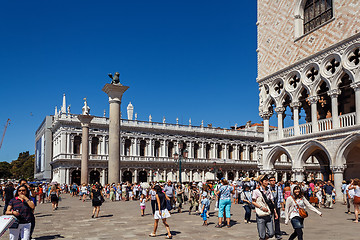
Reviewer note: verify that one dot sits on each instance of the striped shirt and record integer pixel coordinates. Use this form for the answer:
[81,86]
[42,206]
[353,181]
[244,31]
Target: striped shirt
[23,208]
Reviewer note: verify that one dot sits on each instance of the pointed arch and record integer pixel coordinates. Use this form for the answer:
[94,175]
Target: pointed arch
[308,149]
[338,77]
[274,154]
[344,149]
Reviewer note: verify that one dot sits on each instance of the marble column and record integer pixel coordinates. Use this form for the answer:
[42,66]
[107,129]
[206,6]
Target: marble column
[191,175]
[265,116]
[151,175]
[114,92]
[120,174]
[85,122]
[356,87]
[165,176]
[135,176]
[296,106]
[298,174]
[314,122]
[67,179]
[103,177]
[280,111]
[203,176]
[338,178]
[334,107]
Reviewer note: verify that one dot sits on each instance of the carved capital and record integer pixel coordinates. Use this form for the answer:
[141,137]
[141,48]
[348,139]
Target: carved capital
[265,115]
[313,99]
[295,104]
[355,86]
[334,93]
[338,169]
[280,110]
[298,170]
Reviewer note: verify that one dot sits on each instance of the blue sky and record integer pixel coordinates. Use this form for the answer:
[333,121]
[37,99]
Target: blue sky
[185,59]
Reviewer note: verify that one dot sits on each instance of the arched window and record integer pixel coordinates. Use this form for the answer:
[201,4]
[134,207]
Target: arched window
[317,12]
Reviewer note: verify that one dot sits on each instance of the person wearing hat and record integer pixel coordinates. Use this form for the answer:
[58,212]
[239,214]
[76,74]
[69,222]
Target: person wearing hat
[263,201]
[205,203]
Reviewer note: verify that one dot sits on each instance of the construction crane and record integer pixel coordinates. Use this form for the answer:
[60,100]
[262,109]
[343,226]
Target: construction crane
[6,125]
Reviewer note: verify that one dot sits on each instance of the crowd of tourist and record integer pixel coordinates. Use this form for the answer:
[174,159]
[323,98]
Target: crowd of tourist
[268,199]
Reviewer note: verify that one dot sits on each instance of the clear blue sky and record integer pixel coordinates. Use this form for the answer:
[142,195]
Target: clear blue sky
[186,59]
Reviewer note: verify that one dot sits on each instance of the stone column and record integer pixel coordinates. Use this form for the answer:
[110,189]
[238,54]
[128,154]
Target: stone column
[280,111]
[191,175]
[356,87]
[225,152]
[85,122]
[165,176]
[120,175]
[203,176]
[338,178]
[313,101]
[265,116]
[103,178]
[298,173]
[135,175]
[67,179]
[246,153]
[151,175]
[334,107]
[296,106]
[114,92]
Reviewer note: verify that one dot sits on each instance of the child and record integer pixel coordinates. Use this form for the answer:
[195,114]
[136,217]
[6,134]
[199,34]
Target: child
[205,203]
[142,204]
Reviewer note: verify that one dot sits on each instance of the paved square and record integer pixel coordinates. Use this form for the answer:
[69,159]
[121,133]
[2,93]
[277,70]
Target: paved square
[122,220]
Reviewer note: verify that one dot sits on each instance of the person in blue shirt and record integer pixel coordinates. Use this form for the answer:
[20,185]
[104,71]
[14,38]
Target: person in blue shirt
[205,203]
[224,194]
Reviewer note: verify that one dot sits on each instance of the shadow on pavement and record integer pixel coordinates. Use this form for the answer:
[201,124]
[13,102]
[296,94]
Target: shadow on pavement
[50,237]
[44,215]
[105,216]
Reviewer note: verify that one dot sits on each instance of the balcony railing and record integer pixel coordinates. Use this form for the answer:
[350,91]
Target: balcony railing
[346,120]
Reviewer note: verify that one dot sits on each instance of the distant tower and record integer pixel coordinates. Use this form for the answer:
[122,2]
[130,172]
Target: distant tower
[130,111]
[63,107]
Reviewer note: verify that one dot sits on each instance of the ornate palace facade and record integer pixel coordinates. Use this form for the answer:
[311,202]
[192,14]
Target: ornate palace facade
[308,75]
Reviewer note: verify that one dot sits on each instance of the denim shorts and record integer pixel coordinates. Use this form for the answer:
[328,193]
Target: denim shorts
[297,222]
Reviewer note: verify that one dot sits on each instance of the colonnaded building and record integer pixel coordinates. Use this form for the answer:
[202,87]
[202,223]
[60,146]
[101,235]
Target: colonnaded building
[147,149]
[309,74]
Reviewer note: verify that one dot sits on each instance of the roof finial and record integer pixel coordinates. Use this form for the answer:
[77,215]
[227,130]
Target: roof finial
[63,107]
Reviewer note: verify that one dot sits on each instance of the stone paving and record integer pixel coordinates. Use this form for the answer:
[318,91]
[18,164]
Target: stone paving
[122,220]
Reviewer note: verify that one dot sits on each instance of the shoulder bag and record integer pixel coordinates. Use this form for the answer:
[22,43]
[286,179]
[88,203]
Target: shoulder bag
[302,212]
[261,201]
[356,200]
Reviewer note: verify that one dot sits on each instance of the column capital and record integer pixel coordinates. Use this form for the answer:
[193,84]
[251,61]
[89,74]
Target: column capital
[313,99]
[265,115]
[355,86]
[280,110]
[85,120]
[297,170]
[114,92]
[334,93]
[295,104]
[338,169]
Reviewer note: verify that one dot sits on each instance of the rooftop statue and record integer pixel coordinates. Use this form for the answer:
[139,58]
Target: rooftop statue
[115,79]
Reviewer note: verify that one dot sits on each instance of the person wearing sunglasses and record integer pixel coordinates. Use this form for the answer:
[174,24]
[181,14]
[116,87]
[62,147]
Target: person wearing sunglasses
[22,208]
